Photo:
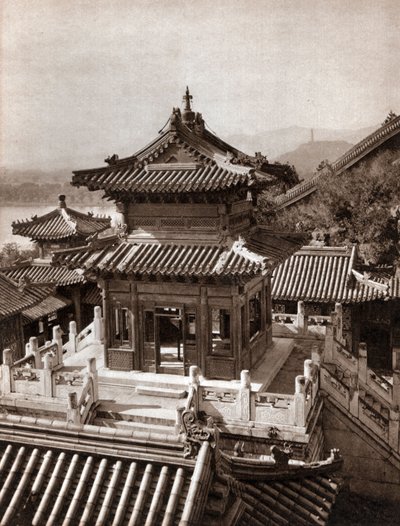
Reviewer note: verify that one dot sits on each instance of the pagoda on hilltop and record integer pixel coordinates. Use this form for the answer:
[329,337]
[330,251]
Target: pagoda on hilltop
[186,278]
[61,228]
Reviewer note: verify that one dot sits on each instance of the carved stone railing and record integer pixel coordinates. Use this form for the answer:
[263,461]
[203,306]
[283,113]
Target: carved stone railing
[240,404]
[368,396]
[79,409]
[299,325]
[91,335]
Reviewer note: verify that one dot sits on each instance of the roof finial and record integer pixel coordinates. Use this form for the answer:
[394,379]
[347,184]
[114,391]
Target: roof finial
[61,201]
[186,99]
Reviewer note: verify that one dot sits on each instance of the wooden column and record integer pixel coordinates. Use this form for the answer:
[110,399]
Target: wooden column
[76,298]
[106,318]
[236,332]
[203,336]
[137,364]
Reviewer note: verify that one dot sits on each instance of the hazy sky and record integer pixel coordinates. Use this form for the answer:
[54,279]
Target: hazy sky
[83,79]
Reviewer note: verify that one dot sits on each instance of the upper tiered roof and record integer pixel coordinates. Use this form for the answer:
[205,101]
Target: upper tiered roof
[185,158]
[389,129]
[60,224]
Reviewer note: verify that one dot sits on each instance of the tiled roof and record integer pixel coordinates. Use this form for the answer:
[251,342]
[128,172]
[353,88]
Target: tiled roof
[45,307]
[92,295]
[49,486]
[128,178]
[43,273]
[240,259]
[14,300]
[60,223]
[326,274]
[348,159]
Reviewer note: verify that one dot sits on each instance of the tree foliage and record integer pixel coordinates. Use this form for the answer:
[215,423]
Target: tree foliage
[11,253]
[360,206]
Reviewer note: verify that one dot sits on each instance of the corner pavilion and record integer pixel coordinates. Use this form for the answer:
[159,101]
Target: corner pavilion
[186,279]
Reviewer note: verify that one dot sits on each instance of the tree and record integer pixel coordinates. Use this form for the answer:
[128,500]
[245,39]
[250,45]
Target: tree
[360,206]
[10,253]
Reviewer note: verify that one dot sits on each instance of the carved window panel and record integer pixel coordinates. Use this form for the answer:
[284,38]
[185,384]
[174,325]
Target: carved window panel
[121,326]
[255,314]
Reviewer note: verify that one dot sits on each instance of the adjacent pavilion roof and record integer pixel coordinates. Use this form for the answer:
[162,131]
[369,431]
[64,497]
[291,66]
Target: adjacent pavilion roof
[207,164]
[48,305]
[41,272]
[14,299]
[329,275]
[242,259]
[61,223]
[389,129]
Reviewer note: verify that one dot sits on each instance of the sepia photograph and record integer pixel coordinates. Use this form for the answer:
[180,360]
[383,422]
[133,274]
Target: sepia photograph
[199,263]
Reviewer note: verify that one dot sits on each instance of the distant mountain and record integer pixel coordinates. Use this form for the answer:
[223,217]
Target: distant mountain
[307,157]
[274,143]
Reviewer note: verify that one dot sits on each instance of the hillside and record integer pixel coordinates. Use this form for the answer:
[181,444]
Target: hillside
[307,157]
[275,143]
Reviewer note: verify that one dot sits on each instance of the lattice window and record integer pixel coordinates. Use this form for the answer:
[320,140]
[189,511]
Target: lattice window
[145,221]
[172,222]
[120,360]
[203,222]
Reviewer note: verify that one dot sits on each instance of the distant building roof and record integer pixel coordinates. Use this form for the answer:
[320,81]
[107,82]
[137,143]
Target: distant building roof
[60,223]
[242,259]
[47,306]
[14,299]
[43,273]
[329,274]
[389,129]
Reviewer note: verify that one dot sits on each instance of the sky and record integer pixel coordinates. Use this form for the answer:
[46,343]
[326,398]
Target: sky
[83,79]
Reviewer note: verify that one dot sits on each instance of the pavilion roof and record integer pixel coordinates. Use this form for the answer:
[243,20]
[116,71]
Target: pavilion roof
[60,223]
[48,305]
[241,259]
[209,164]
[328,275]
[14,299]
[42,272]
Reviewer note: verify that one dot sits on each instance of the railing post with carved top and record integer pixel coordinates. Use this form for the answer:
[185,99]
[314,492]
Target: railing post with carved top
[6,371]
[34,347]
[57,338]
[316,354]
[299,401]
[302,323]
[45,376]
[93,374]
[73,409]
[245,396]
[362,362]
[328,352]
[98,332]
[72,336]
[194,383]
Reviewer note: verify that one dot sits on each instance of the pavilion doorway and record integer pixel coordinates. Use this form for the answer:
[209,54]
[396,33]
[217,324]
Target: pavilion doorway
[169,340]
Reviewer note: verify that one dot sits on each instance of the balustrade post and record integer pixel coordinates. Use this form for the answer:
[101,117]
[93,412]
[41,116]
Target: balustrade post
[72,335]
[92,373]
[362,362]
[57,338]
[98,331]
[45,376]
[245,396]
[396,390]
[6,371]
[339,321]
[316,354]
[27,349]
[308,369]
[328,352]
[34,347]
[299,401]
[302,322]
[73,415]
[354,395]
[194,381]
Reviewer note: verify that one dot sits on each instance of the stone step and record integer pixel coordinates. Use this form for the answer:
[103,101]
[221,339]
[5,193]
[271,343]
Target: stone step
[134,378]
[139,426]
[161,391]
[145,415]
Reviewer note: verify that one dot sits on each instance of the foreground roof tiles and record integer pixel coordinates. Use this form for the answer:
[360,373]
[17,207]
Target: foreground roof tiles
[327,274]
[244,258]
[60,223]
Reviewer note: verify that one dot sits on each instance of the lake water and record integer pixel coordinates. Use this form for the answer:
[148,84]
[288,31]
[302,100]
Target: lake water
[8,214]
